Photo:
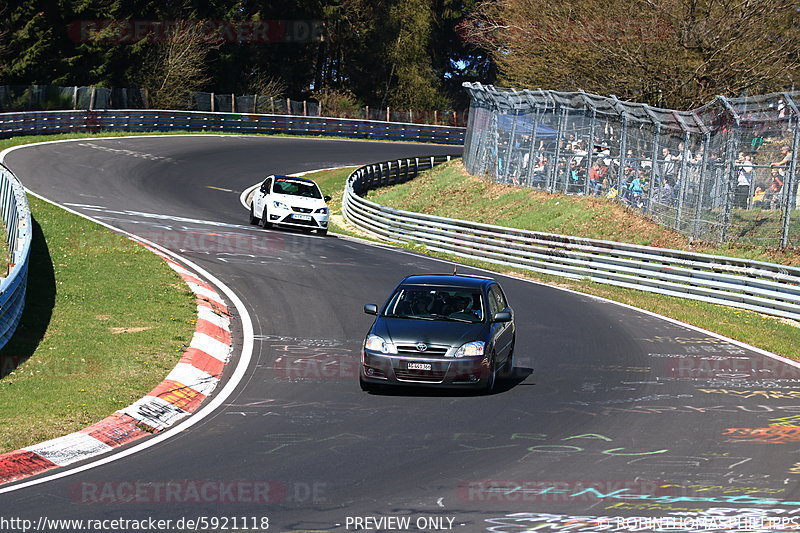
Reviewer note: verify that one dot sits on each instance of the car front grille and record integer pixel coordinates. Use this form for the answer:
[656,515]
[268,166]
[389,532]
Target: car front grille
[412,349]
[301,209]
[430,376]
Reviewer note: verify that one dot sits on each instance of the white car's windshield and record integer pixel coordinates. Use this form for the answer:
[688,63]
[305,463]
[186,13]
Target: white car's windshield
[296,188]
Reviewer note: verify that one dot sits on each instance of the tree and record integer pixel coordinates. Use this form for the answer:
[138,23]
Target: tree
[177,67]
[671,53]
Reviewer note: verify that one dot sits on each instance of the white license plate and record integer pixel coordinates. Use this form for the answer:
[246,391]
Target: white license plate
[301,217]
[419,366]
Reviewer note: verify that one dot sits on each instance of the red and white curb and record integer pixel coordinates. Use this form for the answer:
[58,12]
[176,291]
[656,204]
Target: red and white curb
[183,390]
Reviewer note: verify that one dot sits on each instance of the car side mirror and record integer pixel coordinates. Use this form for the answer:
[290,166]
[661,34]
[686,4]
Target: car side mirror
[502,316]
[326,198]
[371,309]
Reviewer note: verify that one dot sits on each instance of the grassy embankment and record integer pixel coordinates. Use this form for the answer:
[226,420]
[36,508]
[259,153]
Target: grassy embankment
[105,321]
[451,192]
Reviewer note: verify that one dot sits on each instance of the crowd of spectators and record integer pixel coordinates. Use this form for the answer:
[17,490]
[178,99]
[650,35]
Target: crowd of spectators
[576,166]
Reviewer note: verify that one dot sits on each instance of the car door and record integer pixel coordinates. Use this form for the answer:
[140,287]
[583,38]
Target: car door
[503,332]
[260,197]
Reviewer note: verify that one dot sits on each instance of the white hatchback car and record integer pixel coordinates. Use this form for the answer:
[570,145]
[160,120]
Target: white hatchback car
[293,202]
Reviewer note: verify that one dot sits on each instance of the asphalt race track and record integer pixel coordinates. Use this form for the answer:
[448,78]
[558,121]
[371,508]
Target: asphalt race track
[612,412]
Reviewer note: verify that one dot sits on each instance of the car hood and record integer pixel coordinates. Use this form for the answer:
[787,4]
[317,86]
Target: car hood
[432,332]
[300,201]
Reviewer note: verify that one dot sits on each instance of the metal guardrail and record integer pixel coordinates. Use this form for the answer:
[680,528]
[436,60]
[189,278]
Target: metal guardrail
[19,233]
[46,122]
[753,285]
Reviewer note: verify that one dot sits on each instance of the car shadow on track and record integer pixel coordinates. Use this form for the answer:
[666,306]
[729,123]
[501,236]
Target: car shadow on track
[503,384]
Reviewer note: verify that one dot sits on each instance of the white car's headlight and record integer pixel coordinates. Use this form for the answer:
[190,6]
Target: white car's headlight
[470,349]
[280,205]
[377,344]
[323,210]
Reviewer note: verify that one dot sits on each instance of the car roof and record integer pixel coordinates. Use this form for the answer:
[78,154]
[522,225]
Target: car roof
[276,176]
[447,280]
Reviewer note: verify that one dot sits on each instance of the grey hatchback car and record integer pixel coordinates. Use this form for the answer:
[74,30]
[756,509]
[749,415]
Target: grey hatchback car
[442,330]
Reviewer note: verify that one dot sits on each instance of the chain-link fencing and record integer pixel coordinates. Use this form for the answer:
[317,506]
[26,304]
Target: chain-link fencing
[727,171]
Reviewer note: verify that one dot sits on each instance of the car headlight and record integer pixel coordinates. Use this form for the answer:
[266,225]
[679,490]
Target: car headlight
[323,210]
[280,205]
[377,344]
[470,349]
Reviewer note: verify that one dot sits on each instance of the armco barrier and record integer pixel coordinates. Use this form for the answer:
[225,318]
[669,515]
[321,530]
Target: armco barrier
[757,286]
[17,220]
[47,122]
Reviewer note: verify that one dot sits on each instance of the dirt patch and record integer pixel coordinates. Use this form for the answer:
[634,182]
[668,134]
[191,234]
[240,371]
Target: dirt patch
[117,331]
[103,317]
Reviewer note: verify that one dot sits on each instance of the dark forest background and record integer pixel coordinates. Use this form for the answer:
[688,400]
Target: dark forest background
[409,54]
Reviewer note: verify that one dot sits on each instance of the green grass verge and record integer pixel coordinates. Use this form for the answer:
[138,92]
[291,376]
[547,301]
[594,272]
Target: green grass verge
[448,191]
[105,321]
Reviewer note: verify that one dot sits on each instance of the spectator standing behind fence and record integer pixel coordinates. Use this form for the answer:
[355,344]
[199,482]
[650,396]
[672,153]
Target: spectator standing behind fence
[758,198]
[744,177]
[772,197]
[596,175]
[782,167]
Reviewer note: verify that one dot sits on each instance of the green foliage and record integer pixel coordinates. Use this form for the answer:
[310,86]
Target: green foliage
[402,53]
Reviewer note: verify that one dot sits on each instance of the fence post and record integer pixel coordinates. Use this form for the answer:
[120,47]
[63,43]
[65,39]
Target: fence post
[791,182]
[387,114]
[510,151]
[212,102]
[532,149]
[553,174]
[305,108]
[623,147]
[272,104]
[91,99]
[255,104]
[366,112]
[589,152]
[656,179]
[75,97]
[698,213]
[288,106]
[233,103]
[684,181]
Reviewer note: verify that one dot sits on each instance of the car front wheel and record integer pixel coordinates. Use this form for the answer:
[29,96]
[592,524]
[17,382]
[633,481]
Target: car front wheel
[253,217]
[508,367]
[488,387]
[265,219]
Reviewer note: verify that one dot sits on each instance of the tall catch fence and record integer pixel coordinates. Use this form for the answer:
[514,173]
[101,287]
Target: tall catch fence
[727,171]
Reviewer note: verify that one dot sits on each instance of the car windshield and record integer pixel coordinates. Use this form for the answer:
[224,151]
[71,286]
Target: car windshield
[436,303]
[296,188]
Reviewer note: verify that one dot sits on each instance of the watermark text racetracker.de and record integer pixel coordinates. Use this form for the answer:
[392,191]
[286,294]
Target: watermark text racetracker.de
[198,523]
[201,492]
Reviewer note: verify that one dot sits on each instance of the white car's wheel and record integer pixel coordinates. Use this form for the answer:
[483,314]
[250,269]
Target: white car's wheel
[265,219]
[253,218]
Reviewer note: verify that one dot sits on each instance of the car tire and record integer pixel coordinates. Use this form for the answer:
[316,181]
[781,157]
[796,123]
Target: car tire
[253,218]
[265,219]
[322,231]
[488,387]
[508,366]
